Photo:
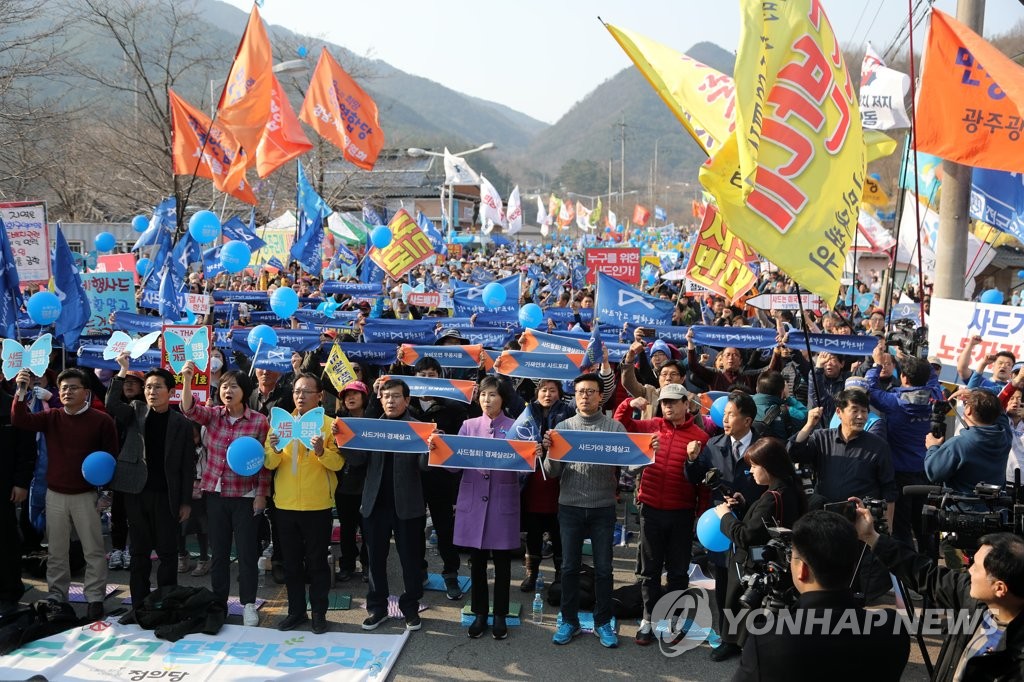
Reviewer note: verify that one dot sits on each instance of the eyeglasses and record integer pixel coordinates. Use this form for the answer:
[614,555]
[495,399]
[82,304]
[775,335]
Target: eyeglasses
[70,389]
[587,391]
[302,391]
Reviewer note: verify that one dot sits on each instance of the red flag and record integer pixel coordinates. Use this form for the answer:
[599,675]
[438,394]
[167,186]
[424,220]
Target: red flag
[222,159]
[283,139]
[641,215]
[338,109]
[245,103]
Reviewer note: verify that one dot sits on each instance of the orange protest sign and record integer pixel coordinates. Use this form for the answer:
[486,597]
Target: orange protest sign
[409,246]
[719,259]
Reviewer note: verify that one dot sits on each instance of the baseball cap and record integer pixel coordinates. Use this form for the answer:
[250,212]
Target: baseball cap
[330,333]
[135,374]
[673,392]
[356,386]
[856,382]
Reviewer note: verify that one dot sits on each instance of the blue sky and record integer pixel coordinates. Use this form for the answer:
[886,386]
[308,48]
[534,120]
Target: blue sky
[542,57]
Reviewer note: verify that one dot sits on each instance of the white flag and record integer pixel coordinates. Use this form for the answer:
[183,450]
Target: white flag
[514,216]
[542,213]
[882,93]
[490,204]
[612,221]
[457,171]
[582,217]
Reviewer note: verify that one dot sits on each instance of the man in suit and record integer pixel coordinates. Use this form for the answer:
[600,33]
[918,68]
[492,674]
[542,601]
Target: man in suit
[836,637]
[158,494]
[393,504]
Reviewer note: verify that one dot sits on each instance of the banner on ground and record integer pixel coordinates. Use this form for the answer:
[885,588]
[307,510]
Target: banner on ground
[561,366]
[409,246]
[382,435]
[602,447]
[719,259]
[460,357]
[618,303]
[622,264]
[999,326]
[29,234]
[430,387]
[181,344]
[107,292]
[470,452]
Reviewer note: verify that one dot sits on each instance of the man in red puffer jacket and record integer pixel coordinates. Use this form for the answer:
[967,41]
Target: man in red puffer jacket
[667,499]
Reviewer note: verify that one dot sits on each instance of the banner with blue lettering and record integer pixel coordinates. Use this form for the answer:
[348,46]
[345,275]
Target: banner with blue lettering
[517,363]
[300,340]
[382,435]
[370,353]
[601,447]
[357,289]
[619,303]
[488,337]
[243,296]
[567,315]
[461,357]
[997,198]
[471,452]
[377,330]
[133,322]
[470,301]
[761,337]
[429,387]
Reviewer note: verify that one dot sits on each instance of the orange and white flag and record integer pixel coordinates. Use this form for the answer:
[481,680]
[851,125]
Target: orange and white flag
[245,103]
[283,138]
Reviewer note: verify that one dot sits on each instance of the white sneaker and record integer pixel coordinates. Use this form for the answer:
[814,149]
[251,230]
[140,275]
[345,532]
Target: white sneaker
[250,616]
[115,560]
[126,560]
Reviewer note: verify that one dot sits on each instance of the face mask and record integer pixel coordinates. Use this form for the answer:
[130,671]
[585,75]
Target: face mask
[216,364]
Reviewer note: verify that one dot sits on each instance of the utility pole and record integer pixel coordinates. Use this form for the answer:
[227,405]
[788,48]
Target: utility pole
[951,257]
[622,157]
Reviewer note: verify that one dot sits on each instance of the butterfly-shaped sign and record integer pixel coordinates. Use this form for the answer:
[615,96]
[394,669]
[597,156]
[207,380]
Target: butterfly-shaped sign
[120,342]
[179,351]
[303,429]
[35,358]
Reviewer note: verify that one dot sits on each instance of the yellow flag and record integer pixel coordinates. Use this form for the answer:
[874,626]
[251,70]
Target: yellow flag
[339,369]
[789,179]
[878,145]
[699,96]
[874,194]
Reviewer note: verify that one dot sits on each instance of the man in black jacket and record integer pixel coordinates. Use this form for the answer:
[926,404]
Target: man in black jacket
[834,637]
[19,448]
[994,585]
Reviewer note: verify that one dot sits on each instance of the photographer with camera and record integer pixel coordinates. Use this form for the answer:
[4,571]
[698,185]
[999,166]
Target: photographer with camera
[994,584]
[1012,400]
[978,454]
[781,505]
[1001,362]
[836,638]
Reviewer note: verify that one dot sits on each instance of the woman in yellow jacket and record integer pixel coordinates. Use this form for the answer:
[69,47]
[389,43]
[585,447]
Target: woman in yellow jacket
[304,483]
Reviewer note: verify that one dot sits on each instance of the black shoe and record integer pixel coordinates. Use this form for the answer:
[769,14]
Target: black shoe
[529,582]
[477,627]
[645,635]
[292,621]
[500,629]
[374,620]
[452,589]
[128,618]
[277,572]
[95,611]
[320,625]
[343,576]
[365,575]
[725,652]
[413,622]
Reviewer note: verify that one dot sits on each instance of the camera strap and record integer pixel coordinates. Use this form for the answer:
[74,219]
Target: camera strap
[778,506]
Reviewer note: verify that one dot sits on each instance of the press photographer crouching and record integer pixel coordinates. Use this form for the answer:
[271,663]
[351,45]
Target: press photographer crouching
[994,585]
[827,635]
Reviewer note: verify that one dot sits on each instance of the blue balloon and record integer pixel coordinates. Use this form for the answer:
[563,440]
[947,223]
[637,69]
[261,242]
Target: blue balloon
[261,333]
[284,302]
[43,307]
[204,226]
[709,532]
[245,456]
[530,315]
[105,242]
[993,296]
[493,295]
[98,468]
[143,267]
[302,51]
[380,236]
[717,410]
[1020,274]
[235,256]
[140,223]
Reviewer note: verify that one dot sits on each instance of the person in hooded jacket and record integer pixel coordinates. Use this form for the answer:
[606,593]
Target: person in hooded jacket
[978,454]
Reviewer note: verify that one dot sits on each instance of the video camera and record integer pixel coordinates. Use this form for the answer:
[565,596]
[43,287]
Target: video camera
[966,518]
[770,584]
[713,480]
[908,337]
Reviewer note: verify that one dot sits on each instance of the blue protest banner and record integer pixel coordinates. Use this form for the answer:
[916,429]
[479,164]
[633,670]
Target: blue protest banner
[997,198]
[357,289]
[400,331]
[601,447]
[470,452]
[382,435]
[469,301]
[619,303]
[371,353]
[427,387]
[91,355]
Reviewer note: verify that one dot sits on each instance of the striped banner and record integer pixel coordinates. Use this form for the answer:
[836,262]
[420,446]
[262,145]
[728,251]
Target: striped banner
[382,435]
[517,363]
[425,387]
[602,447]
[461,357]
[471,452]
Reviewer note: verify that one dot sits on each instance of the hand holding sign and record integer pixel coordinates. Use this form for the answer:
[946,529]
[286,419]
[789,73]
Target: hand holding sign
[36,358]
[195,350]
[303,429]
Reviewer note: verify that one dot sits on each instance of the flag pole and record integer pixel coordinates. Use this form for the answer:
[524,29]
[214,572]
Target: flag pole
[807,339]
[917,204]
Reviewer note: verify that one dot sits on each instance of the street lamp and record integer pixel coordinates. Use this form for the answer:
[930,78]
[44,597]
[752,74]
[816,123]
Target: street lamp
[417,152]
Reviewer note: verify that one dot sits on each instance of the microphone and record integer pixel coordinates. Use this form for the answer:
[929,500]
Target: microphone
[923,490]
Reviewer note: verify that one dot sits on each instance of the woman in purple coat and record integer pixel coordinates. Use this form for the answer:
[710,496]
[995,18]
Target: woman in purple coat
[487,516]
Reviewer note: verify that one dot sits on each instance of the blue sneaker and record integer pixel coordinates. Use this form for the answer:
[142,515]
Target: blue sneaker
[607,635]
[565,633]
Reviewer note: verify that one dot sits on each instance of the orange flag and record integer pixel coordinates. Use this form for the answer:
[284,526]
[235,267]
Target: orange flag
[222,159]
[338,109]
[971,99]
[245,103]
[641,215]
[283,139]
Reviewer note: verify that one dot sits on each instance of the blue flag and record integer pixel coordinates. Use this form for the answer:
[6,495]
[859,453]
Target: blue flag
[373,217]
[370,272]
[659,214]
[275,262]
[171,304]
[343,257]
[186,252]
[594,355]
[10,288]
[470,300]
[236,230]
[164,220]
[211,262]
[67,285]
[306,251]
[310,204]
[997,198]
[427,225]
[618,303]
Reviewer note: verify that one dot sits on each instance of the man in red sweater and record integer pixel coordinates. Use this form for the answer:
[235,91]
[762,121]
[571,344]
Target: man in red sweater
[667,499]
[72,433]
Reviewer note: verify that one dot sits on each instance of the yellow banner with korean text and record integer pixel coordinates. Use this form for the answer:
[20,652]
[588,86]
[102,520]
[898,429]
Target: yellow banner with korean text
[719,259]
[409,246]
[338,368]
[789,180]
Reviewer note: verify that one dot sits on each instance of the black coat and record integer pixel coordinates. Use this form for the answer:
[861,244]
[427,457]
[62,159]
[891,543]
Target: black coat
[408,469]
[19,448]
[877,653]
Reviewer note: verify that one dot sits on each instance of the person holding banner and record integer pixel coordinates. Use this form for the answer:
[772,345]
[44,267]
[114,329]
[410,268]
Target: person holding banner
[354,399]
[304,483]
[1001,362]
[487,515]
[232,501]
[730,371]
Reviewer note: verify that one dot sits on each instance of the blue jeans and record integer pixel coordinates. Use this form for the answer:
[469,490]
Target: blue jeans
[577,524]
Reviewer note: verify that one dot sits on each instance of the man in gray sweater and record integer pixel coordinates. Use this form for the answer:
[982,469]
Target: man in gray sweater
[586,509]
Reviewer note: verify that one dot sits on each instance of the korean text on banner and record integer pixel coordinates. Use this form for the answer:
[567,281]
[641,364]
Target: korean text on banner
[999,326]
[338,369]
[469,452]
[719,259]
[789,179]
[408,248]
[29,235]
[601,447]
[107,292]
[622,264]
[181,344]
[617,303]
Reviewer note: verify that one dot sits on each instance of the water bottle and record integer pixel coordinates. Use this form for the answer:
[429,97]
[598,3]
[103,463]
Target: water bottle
[433,541]
[538,609]
[540,582]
